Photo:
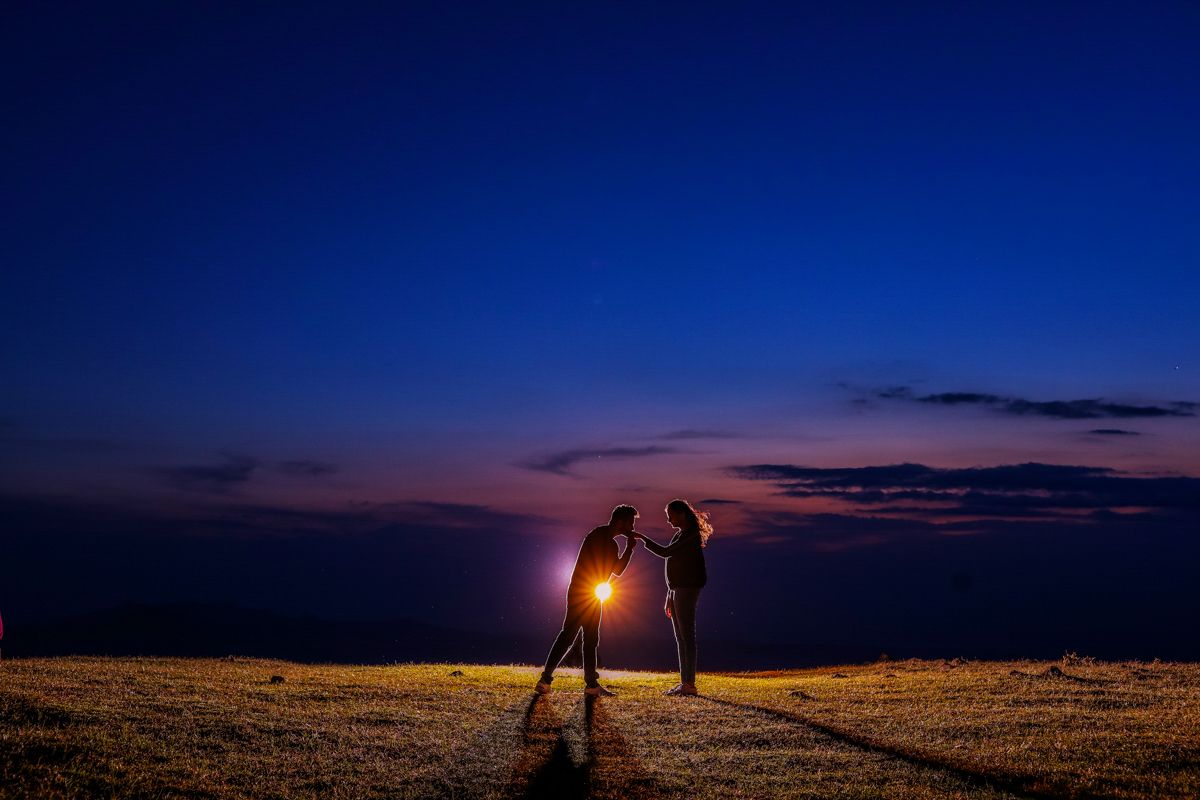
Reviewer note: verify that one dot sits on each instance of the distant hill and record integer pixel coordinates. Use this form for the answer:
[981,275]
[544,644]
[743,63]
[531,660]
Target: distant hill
[213,631]
[198,630]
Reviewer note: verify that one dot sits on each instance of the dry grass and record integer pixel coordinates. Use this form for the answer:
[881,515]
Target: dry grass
[198,728]
[1093,729]
[167,728]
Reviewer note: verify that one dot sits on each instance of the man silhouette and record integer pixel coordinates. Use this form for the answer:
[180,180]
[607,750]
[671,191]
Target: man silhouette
[597,560]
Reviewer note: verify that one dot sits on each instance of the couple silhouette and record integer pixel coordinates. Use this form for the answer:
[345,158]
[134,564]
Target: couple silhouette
[598,559]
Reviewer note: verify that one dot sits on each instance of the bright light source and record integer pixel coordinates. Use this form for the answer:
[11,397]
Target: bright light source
[603,591]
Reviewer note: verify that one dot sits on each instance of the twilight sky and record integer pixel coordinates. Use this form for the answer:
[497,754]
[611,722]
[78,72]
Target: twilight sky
[371,310]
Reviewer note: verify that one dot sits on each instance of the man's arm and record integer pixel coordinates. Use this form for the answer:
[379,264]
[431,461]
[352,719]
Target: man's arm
[623,561]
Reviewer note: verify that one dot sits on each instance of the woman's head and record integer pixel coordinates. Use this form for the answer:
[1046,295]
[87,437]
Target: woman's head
[683,516]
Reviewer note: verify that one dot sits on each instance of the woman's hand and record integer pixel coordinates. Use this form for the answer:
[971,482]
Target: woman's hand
[667,605]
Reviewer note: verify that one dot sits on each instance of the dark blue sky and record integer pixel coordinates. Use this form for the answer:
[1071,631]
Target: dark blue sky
[325,287]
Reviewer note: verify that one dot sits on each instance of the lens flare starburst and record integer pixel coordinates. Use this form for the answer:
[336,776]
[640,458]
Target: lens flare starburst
[603,591]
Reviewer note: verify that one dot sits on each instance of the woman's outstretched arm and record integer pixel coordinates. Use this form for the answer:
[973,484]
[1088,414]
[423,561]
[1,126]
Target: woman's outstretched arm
[669,550]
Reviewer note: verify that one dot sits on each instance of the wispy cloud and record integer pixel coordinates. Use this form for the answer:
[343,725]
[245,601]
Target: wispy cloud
[561,463]
[305,469]
[66,444]
[1016,490]
[698,434]
[224,477]
[216,478]
[462,515]
[367,517]
[829,533]
[10,436]
[1056,409]
[1114,432]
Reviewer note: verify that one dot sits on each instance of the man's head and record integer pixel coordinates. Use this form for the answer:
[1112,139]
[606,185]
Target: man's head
[622,519]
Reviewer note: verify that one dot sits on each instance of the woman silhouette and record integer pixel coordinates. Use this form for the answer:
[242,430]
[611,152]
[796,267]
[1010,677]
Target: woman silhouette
[686,576]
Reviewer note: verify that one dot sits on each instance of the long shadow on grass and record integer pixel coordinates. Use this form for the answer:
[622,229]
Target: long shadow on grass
[545,771]
[614,770]
[1020,785]
[544,768]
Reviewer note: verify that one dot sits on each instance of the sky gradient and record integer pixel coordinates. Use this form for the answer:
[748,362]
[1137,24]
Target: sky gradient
[371,310]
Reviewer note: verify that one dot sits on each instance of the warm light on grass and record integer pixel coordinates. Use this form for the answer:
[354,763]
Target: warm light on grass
[186,728]
[603,591]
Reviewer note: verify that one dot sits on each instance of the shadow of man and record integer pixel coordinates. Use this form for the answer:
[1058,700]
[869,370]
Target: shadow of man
[613,769]
[545,769]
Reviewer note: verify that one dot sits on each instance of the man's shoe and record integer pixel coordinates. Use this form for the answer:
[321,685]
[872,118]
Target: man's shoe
[543,688]
[687,690]
[598,691]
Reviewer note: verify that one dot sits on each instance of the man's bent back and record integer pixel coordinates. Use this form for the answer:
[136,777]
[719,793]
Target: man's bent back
[597,560]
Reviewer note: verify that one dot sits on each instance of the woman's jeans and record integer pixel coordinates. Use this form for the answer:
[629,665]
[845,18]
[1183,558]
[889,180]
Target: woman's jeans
[683,617]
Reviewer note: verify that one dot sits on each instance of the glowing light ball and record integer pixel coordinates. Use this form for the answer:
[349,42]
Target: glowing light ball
[603,591]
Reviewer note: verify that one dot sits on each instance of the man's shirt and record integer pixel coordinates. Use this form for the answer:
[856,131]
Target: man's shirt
[597,559]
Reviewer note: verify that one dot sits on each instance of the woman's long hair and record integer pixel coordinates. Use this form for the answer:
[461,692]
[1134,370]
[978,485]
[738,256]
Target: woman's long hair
[692,517]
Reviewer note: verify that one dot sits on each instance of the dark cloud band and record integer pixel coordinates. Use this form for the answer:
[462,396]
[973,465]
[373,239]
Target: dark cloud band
[1017,490]
[1055,409]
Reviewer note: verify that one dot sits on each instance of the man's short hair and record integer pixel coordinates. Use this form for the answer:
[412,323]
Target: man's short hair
[622,512]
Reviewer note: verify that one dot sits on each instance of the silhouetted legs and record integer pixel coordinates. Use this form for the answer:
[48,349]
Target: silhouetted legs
[683,617]
[585,614]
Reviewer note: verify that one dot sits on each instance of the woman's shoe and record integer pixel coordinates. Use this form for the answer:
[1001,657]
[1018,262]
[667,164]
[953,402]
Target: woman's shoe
[674,690]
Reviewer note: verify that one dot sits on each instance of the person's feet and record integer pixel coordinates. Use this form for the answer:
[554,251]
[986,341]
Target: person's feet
[683,690]
[598,691]
[543,688]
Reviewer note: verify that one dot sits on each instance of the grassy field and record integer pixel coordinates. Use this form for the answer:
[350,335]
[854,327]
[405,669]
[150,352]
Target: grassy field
[162,728]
